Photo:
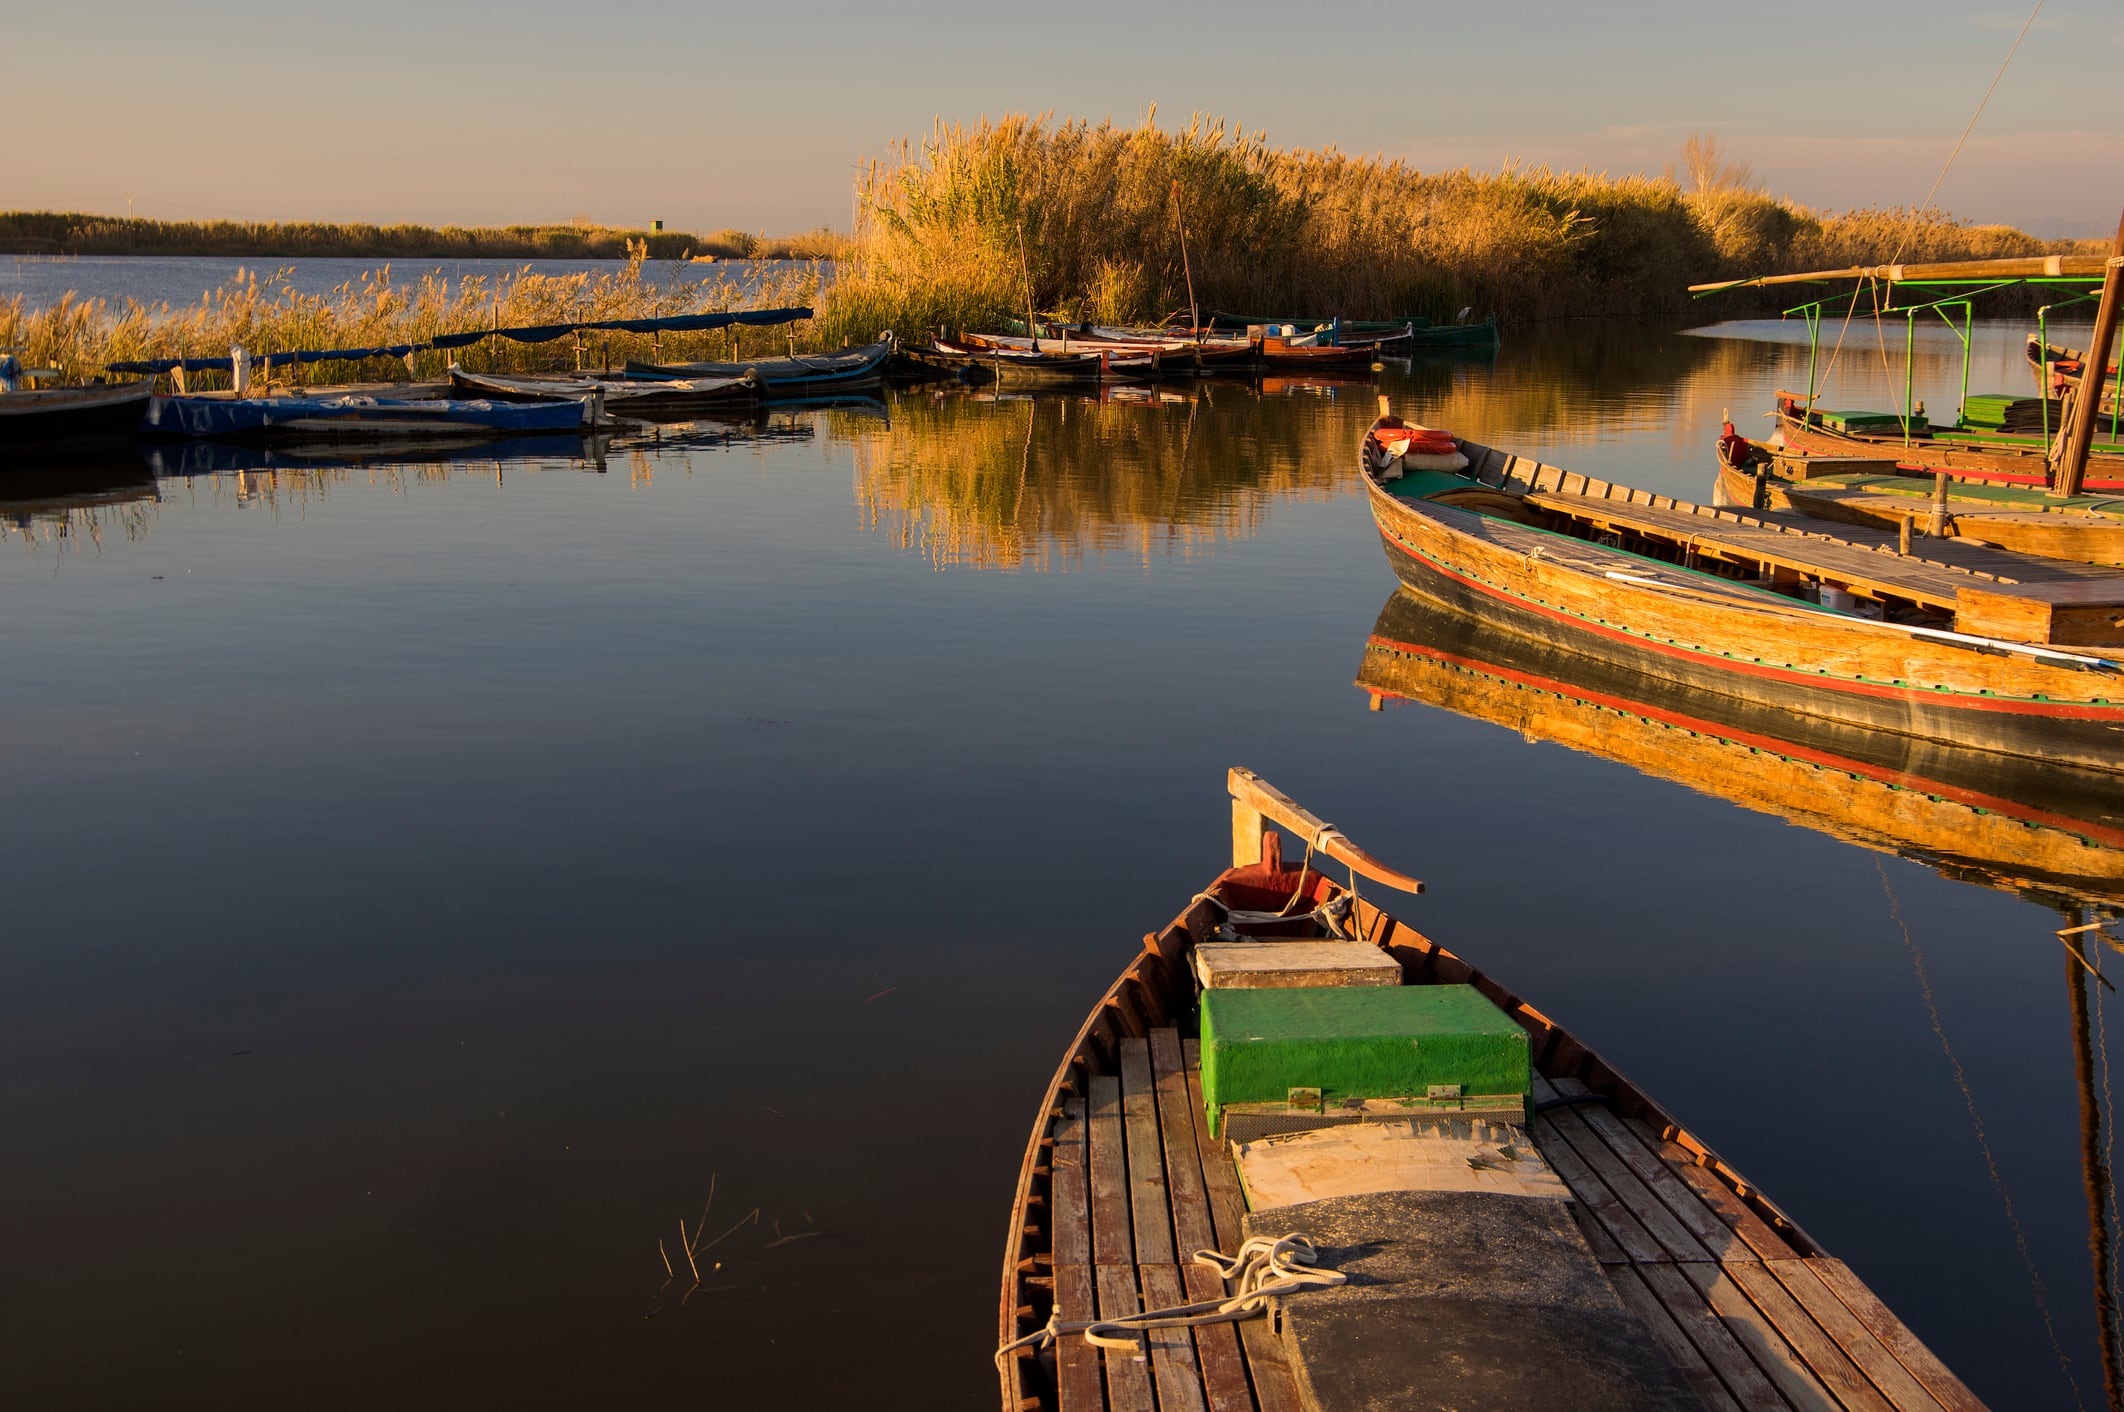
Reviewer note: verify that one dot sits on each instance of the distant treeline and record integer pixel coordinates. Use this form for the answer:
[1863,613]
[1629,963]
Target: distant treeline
[75,233]
[974,222]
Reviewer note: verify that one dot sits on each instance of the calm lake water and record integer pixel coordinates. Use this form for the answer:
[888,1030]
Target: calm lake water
[428,883]
[42,280]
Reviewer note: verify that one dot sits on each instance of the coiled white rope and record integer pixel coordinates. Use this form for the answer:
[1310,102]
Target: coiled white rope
[1265,1267]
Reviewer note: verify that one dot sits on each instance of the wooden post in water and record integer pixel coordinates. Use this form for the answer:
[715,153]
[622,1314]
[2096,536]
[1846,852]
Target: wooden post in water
[1032,326]
[1903,538]
[1194,310]
[1937,527]
[2084,407]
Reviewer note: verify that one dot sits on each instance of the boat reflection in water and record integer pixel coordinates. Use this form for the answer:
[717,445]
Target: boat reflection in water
[2053,833]
[2050,833]
[78,494]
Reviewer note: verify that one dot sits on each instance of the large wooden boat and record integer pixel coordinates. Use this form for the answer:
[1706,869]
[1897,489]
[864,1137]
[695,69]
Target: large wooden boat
[1567,1246]
[2051,833]
[2005,458]
[43,416]
[1882,495]
[1955,641]
[787,379]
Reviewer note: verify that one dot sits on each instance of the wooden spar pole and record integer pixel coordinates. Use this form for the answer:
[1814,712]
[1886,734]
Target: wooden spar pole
[1032,327]
[1194,310]
[2077,434]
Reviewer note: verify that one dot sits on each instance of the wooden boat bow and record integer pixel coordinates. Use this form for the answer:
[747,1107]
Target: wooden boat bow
[1255,801]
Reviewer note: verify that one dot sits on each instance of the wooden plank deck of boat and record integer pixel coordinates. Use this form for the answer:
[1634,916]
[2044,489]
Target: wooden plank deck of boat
[1866,560]
[1139,1185]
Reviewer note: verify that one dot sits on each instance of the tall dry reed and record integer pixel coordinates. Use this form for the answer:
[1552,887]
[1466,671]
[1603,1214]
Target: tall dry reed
[265,314]
[978,221]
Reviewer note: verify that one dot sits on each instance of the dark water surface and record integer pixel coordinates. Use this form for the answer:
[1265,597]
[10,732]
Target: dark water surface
[426,883]
[42,280]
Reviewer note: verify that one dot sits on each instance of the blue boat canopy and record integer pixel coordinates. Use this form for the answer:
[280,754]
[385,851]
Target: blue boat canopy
[528,333]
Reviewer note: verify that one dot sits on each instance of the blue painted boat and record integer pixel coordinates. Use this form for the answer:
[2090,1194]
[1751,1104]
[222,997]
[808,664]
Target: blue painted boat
[356,418]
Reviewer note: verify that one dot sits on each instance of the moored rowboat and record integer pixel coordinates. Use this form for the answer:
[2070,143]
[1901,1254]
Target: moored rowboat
[1997,457]
[43,416]
[1880,494]
[356,418]
[621,396]
[1541,1235]
[786,379]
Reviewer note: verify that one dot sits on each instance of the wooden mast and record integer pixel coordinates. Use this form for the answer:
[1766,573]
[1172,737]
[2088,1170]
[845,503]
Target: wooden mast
[1194,310]
[2085,406]
[2010,267]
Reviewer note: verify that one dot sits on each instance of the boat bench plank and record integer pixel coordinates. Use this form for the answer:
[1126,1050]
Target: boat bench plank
[1275,1388]
[1897,1383]
[1920,581]
[1637,1296]
[1216,1345]
[1865,558]
[1128,1375]
[1783,1326]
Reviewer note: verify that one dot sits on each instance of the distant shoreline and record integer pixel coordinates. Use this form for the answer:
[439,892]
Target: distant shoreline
[74,233]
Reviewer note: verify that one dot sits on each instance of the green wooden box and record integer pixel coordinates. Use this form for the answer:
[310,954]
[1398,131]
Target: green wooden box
[1876,423]
[1356,1042]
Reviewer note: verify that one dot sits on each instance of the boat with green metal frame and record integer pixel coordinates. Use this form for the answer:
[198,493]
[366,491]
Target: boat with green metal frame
[1977,445]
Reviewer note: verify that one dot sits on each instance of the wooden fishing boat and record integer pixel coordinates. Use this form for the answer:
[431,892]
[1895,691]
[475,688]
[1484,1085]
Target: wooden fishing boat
[222,418]
[2050,833]
[1178,354]
[782,379]
[2058,370]
[1966,453]
[42,416]
[1024,367]
[625,397]
[1399,336]
[1562,1244]
[1956,641]
[1880,494]
[1133,362]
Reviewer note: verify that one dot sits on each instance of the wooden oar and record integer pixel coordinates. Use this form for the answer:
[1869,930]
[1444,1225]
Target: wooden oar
[1254,800]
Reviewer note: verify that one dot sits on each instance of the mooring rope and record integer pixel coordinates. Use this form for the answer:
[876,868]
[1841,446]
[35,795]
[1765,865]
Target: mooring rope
[2036,1288]
[1265,1267]
[1904,239]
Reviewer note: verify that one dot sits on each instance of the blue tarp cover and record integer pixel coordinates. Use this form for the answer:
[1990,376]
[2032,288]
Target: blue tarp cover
[239,416]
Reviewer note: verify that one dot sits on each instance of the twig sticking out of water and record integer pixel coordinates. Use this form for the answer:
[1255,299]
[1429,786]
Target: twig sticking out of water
[753,1218]
[665,1258]
[702,1224]
[689,1251]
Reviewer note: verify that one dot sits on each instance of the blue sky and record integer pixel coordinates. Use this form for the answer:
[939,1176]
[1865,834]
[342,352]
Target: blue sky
[757,115]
